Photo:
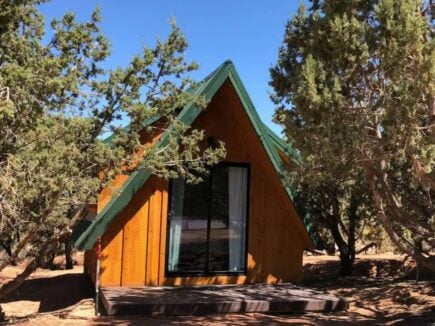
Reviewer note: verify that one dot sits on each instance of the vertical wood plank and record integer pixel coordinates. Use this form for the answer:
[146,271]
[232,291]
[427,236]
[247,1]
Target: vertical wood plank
[163,231]
[135,240]
[111,258]
[152,268]
[156,239]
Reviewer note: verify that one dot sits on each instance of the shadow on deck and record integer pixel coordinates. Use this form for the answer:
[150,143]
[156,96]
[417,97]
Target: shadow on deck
[201,300]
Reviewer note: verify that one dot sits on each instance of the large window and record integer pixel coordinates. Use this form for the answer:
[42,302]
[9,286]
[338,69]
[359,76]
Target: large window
[207,223]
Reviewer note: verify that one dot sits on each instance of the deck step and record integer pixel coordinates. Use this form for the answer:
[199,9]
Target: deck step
[203,300]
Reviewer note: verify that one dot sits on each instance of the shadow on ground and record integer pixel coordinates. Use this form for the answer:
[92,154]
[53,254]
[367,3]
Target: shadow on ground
[54,293]
[375,295]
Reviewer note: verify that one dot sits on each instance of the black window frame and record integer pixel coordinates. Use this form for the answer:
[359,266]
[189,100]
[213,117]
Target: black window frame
[207,272]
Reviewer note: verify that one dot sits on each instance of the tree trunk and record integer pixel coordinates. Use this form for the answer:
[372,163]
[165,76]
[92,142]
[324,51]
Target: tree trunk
[346,247]
[47,262]
[6,245]
[8,239]
[366,247]
[351,232]
[32,233]
[389,211]
[69,263]
[346,257]
[47,249]
[424,264]
[346,264]
[330,249]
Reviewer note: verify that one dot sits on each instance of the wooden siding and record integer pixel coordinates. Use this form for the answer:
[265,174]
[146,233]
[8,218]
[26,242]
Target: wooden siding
[134,245]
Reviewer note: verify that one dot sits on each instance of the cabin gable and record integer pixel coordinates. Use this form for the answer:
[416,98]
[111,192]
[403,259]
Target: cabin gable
[135,238]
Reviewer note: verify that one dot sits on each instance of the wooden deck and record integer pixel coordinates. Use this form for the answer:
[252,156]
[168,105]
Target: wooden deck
[200,300]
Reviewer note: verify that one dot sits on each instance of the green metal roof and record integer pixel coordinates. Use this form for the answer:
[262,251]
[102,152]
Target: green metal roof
[208,87]
[283,146]
[294,155]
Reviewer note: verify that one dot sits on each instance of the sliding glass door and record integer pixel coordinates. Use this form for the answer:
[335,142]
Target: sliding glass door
[208,223]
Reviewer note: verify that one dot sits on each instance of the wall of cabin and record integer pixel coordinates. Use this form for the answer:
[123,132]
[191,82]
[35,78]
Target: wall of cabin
[134,245]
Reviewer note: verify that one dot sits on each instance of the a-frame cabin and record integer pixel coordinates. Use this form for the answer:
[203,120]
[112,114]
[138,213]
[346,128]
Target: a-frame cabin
[239,226]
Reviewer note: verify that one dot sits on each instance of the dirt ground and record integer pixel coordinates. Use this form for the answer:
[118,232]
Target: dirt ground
[64,297]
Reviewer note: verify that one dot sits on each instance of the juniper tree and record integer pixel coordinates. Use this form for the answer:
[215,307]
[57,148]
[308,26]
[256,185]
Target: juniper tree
[354,88]
[338,209]
[57,102]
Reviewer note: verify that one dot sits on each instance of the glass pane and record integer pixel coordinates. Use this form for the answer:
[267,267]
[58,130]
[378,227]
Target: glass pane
[187,248]
[228,219]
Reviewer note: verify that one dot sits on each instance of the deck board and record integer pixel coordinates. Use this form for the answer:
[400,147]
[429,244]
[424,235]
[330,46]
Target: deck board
[200,300]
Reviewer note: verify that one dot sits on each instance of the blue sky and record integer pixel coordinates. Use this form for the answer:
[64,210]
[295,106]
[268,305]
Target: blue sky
[248,32]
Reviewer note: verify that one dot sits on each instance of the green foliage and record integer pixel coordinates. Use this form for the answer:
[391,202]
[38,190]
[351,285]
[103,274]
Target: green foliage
[355,94]
[57,102]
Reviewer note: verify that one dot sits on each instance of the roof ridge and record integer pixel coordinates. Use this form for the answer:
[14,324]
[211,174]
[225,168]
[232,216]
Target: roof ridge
[223,64]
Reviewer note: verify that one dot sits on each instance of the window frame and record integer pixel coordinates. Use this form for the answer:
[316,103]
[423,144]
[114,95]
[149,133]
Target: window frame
[206,272]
